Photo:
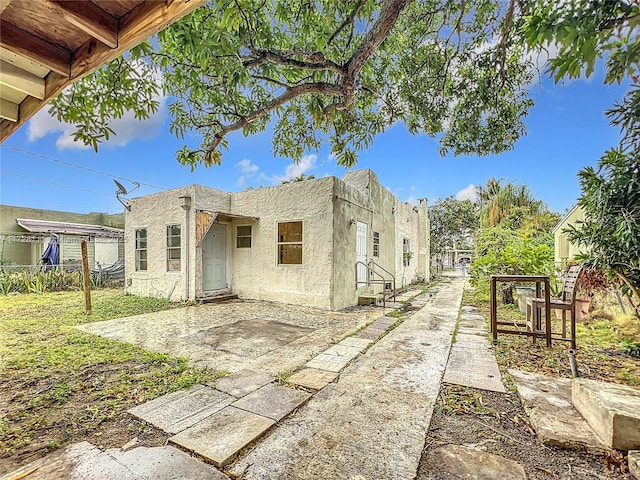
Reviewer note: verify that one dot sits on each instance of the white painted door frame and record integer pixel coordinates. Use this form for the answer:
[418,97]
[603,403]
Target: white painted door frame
[214,258]
[361,252]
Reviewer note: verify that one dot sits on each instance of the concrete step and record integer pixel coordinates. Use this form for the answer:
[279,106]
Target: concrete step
[611,410]
[369,299]
[215,297]
[547,401]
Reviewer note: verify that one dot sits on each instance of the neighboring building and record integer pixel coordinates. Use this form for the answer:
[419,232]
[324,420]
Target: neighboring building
[565,250]
[296,243]
[25,232]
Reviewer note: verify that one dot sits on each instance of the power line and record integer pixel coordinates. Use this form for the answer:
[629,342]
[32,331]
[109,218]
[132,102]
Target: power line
[81,167]
[4,172]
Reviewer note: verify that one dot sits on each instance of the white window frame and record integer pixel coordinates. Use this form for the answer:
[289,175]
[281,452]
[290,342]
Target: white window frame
[238,236]
[406,248]
[173,248]
[376,244]
[138,249]
[279,243]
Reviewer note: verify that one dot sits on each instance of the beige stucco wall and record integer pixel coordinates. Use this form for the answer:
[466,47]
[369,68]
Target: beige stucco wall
[255,272]
[360,198]
[328,208]
[563,249]
[154,212]
[406,222]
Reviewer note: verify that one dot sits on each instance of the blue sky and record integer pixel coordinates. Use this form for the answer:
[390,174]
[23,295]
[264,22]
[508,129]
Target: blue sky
[567,130]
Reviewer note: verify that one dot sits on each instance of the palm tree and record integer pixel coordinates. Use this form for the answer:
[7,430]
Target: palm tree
[300,178]
[500,202]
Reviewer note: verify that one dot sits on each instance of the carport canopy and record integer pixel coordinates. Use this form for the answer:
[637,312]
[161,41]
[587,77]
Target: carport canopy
[48,226]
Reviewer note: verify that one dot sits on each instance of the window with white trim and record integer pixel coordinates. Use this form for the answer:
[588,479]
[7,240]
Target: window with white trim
[376,244]
[173,248]
[243,236]
[289,243]
[141,249]
[406,252]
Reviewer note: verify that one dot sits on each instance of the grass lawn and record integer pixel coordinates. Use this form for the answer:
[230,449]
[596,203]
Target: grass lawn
[600,353]
[61,385]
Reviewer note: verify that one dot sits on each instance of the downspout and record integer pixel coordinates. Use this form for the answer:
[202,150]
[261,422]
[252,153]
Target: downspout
[185,203]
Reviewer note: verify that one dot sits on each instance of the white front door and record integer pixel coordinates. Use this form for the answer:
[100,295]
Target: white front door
[361,251]
[214,258]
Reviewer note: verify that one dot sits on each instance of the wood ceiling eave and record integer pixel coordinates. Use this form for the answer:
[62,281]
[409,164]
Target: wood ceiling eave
[57,42]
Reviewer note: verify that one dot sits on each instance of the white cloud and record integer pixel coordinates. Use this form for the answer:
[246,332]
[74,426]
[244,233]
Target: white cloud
[127,128]
[468,193]
[248,171]
[308,162]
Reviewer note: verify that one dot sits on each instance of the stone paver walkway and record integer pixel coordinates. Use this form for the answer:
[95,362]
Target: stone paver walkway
[83,461]
[371,423]
[472,362]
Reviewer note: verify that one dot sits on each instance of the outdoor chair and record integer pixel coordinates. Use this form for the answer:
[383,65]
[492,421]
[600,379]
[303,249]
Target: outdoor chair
[566,303]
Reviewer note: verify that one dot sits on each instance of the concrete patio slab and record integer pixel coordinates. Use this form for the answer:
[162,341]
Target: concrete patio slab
[330,363]
[371,334]
[312,378]
[273,401]
[179,410]
[473,368]
[356,342]
[165,463]
[343,351]
[220,437]
[611,410]
[547,401]
[80,460]
[472,338]
[457,461]
[243,382]
[237,335]
[249,338]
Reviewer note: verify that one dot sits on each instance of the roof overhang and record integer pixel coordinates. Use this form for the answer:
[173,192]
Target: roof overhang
[48,226]
[46,45]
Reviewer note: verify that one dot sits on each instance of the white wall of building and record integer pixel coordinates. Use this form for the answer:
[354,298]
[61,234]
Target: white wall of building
[328,209]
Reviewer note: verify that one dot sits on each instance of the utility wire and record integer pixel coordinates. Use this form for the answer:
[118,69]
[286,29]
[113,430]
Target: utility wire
[4,172]
[62,162]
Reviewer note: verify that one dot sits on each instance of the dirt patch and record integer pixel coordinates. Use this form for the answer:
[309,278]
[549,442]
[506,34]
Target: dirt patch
[41,415]
[496,423]
[113,433]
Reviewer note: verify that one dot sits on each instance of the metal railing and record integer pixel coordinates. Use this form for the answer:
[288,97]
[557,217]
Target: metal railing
[371,272]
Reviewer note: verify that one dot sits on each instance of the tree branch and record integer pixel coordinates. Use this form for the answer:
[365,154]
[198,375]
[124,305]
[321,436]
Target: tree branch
[320,88]
[318,61]
[347,21]
[389,13]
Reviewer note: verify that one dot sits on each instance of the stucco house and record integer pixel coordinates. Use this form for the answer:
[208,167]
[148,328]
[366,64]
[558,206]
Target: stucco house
[308,243]
[563,249]
[25,232]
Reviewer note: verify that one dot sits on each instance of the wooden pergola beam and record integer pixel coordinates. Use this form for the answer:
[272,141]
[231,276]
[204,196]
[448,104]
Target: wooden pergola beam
[34,48]
[91,19]
[8,110]
[18,79]
[136,26]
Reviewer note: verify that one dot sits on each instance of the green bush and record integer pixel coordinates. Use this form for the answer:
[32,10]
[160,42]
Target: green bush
[501,251]
[40,282]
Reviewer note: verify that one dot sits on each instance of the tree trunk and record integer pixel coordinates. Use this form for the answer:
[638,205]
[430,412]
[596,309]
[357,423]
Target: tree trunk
[507,294]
